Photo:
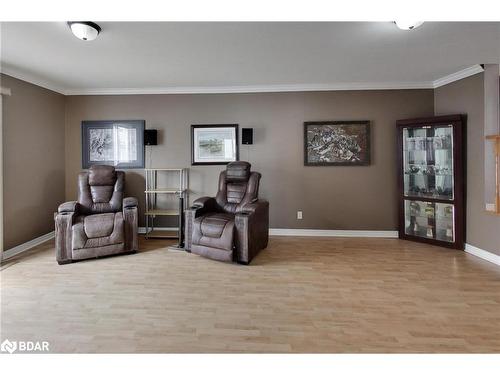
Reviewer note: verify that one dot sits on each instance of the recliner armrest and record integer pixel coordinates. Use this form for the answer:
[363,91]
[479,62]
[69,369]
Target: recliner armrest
[67,207]
[200,207]
[63,235]
[254,207]
[252,230]
[130,202]
[204,204]
[130,218]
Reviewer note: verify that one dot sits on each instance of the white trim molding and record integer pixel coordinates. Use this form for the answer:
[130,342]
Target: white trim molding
[346,86]
[44,238]
[457,76]
[27,245]
[315,232]
[333,233]
[483,254]
[142,230]
[33,79]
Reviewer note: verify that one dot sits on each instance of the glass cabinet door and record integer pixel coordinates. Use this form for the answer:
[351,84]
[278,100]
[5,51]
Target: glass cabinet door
[430,220]
[428,162]
[445,225]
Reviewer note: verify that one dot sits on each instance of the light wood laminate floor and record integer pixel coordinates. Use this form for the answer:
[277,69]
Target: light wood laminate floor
[299,295]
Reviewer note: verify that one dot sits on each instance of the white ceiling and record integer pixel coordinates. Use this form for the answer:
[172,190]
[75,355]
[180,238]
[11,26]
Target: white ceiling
[197,57]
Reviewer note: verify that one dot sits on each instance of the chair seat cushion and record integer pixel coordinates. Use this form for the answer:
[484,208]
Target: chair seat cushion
[100,225]
[213,231]
[212,225]
[98,230]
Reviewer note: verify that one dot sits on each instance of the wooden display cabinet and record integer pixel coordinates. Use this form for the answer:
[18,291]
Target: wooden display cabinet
[431,180]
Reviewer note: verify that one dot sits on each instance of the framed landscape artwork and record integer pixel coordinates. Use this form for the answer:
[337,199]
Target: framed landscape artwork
[214,144]
[117,143]
[337,143]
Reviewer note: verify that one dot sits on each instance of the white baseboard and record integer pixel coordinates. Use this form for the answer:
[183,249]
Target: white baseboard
[142,230]
[27,245]
[483,254]
[486,255]
[316,232]
[39,240]
[333,233]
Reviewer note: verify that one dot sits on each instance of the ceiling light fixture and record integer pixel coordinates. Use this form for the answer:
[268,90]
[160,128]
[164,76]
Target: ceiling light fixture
[85,30]
[407,24]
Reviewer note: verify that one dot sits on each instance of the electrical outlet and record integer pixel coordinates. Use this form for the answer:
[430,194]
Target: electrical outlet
[299,215]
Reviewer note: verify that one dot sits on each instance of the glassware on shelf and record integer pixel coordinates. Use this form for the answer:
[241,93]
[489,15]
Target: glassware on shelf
[423,143]
[413,211]
[428,162]
[429,170]
[410,144]
[431,166]
[429,210]
[444,222]
[414,208]
[429,220]
[420,143]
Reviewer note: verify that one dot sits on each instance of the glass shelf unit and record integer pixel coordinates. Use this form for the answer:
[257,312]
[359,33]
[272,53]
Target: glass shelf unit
[431,194]
[163,201]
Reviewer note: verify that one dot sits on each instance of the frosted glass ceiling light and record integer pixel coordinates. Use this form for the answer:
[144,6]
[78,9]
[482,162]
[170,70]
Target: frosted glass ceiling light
[407,24]
[85,30]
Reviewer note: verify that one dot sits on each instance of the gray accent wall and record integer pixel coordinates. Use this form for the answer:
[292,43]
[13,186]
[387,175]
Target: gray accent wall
[362,198]
[33,157]
[467,97]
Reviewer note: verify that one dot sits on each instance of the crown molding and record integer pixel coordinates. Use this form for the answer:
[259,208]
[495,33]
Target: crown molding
[348,86]
[31,78]
[461,74]
[251,89]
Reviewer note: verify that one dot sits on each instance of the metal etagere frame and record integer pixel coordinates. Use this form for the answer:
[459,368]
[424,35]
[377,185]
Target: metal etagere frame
[154,210]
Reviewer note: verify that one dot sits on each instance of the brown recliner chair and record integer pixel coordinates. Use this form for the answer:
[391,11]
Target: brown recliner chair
[101,222]
[235,224]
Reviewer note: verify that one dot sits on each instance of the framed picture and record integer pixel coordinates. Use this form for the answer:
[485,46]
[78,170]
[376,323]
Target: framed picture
[214,144]
[118,143]
[337,143]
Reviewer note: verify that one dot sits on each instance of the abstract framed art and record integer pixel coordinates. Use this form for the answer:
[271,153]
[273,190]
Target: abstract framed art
[328,143]
[119,143]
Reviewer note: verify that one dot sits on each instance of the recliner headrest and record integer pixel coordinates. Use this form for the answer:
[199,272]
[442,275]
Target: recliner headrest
[238,171]
[101,175]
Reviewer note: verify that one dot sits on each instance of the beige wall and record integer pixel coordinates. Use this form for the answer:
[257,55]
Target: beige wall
[330,197]
[467,97]
[33,147]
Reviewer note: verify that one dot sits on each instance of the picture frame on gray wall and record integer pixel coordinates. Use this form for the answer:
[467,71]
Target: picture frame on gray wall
[119,143]
[214,144]
[337,143]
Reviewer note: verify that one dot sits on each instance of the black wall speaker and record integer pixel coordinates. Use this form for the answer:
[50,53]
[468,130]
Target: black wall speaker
[247,136]
[150,137]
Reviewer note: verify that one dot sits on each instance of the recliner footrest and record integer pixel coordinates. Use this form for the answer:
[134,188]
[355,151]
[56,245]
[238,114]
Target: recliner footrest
[213,236]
